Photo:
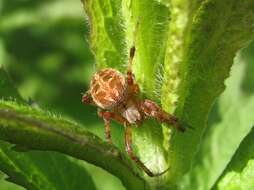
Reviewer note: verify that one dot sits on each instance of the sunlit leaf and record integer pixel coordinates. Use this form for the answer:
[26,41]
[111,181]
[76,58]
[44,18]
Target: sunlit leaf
[218,30]
[239,173]
[223,138]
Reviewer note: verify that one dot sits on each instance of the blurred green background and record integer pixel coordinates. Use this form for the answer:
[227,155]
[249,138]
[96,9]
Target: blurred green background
[43,46]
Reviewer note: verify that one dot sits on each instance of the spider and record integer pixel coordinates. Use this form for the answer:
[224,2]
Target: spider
[117,97]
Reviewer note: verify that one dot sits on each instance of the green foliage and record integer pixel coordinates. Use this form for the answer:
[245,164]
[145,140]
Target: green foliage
[220,26]
[35,170]
[33,129]
[148,32]
[9,186]
[239,173]
[107,33]
[50,63]
[196,74]
[222,139]
[184,52]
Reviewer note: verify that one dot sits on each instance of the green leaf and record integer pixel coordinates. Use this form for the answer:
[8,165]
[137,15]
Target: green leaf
[145,24]
[37,170]
[239,174]
[204,41]
[174,53]
[201,39]
[5,185]
[107,33]
[30,114]
[218,30]
[129,176]
[222,139]
[116,26]
[34,129]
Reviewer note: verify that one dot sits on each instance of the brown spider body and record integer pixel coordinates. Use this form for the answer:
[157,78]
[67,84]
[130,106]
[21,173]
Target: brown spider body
[118,97]
[108,88]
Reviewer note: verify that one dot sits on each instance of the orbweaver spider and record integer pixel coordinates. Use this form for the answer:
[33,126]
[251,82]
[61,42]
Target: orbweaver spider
[117,99]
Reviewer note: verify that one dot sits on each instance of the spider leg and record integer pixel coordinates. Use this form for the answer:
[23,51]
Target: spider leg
[106,115]
[131,57]
[130,76]
[133,48]
[151,109]
[128,146]
[87,99]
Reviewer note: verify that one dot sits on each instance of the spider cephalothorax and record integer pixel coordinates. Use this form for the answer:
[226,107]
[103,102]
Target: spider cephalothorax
[118,98]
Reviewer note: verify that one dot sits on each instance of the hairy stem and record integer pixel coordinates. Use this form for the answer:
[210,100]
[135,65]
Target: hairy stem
[36,130]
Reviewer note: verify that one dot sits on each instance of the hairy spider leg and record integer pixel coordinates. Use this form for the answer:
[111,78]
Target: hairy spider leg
[151,109]
[133,48]
[106,115]
[128,146]
[130,76]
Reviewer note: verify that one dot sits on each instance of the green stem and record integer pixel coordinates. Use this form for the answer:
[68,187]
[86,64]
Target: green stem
[36,130]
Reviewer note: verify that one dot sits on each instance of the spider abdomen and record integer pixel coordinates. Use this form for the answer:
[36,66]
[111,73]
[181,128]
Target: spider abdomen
[108,88]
